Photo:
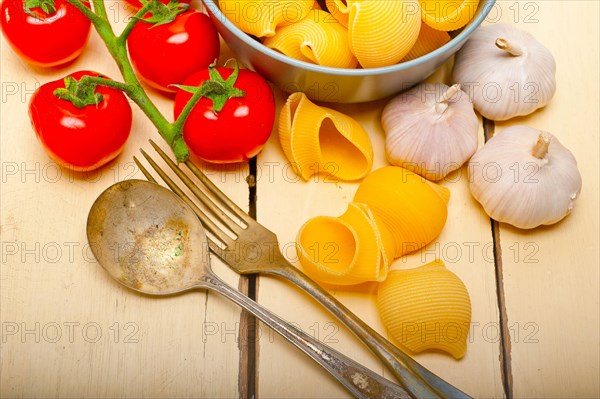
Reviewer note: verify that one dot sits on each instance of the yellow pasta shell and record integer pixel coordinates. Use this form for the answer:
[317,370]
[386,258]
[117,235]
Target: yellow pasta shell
[352,249]
[335,7]
[319,140]
[381,32]
[429,39]
[426,308]
[318,39]
[413,209]
[448,15]
[262,17]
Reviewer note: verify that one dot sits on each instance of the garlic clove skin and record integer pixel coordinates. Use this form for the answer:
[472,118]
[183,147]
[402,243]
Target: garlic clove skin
[525,178]
[431,130]
[506,71]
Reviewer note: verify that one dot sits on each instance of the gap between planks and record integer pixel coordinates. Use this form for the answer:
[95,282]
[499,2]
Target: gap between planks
[249,349]
[248,284]
[505,346]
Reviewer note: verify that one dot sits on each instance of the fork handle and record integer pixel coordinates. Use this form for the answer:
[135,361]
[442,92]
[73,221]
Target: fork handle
[416,379]
[360,381]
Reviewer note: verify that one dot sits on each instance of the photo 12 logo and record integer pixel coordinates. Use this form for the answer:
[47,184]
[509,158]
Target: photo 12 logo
[69,332]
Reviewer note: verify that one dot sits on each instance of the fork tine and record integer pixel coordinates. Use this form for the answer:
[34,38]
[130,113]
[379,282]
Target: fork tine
[221,216]
[206,221]
[149,177]
[225,200]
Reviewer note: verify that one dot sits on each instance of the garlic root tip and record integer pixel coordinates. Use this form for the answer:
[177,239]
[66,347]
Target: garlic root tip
[540,149]
[442,105]
[510,48]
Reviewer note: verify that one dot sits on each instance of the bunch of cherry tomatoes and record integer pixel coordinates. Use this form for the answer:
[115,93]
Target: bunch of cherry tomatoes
[171,57]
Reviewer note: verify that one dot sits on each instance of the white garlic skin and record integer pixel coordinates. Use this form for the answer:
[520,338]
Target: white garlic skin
[515,187]
[421,139]
[503,86]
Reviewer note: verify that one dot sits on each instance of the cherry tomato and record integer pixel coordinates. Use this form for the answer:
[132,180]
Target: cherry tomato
[239,130]
[137,4]
[85,138]
[45,38]
[167,54]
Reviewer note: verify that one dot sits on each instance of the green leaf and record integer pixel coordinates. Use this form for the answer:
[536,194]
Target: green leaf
[189,89]
[161,14]
[47,6]
[217,89]
[79,93]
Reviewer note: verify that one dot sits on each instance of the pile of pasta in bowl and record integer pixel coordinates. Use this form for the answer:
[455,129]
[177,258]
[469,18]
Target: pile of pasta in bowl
[351,33]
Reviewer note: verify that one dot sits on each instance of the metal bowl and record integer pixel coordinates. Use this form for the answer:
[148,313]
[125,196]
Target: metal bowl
[337,84]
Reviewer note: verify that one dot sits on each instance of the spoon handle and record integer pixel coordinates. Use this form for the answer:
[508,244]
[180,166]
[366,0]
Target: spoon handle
[360,381]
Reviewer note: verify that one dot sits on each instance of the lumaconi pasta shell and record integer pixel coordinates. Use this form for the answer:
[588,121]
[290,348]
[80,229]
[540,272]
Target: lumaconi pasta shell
[413,209]
[262,17]
[351,249]
[335,7]
[318,39]
[381,32]
[448,15]
[426,308]
[320,140]
[429,39]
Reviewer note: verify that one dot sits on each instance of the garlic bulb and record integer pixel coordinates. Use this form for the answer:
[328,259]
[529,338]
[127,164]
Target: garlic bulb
[525,177]
[431,130]
[507,72]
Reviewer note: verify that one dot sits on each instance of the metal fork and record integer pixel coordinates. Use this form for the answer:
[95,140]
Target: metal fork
[248,233]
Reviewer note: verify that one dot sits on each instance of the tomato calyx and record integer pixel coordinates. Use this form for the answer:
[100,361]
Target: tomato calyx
[217,89]
[80,93]
[161,13]
[47,6]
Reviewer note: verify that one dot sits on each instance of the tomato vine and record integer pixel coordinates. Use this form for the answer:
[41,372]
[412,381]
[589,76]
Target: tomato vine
[131,86]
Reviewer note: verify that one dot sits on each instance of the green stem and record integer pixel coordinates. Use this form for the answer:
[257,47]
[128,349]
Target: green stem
[178,125]
[122,39]
[85,11]
[99,8]
[105,82]
[117,47]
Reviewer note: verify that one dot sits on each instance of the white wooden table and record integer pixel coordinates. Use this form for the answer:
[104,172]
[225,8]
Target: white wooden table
[68,330]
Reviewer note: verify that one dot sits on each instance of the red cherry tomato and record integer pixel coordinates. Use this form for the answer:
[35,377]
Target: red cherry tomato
[167,54]
[137,4]
[239,130]
[80,139]
[45,39]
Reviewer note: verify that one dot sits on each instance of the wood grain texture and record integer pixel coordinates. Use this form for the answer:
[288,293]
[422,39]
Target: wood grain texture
[68,330]
[465,245]
[551,273]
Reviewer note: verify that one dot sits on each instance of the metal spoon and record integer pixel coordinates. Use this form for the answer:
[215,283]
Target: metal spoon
[151,241]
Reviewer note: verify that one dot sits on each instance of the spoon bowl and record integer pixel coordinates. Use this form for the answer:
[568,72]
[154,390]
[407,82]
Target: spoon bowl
[148,239]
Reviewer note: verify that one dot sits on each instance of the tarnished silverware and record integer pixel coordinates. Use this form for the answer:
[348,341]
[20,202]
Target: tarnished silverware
[163,250]
[218,211]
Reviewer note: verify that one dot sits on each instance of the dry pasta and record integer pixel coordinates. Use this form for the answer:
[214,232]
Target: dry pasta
[319,140]
[394,212]
[318,39]
[429,40]
[412,208]
[262,17]
[352,249]
[381,32]
[448,15]
[426,308]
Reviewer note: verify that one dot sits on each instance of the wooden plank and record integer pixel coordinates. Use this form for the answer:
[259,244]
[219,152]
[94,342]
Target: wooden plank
[285,203]
[68,330]
[551,273]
